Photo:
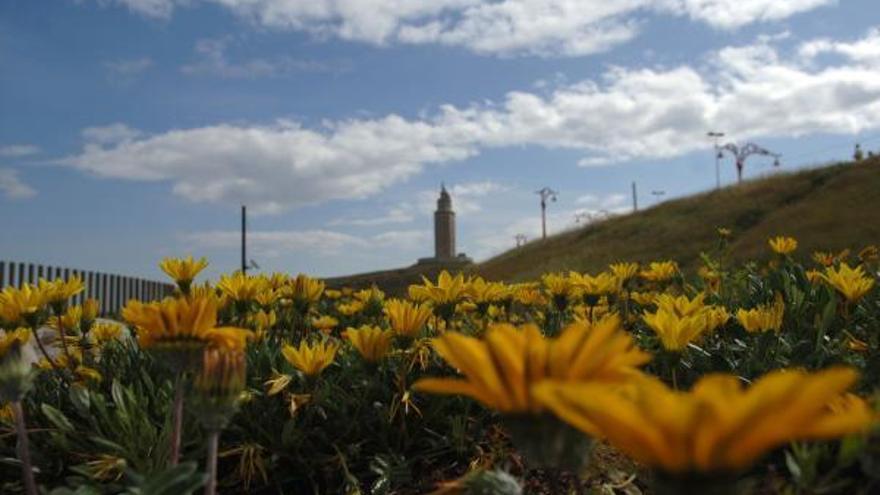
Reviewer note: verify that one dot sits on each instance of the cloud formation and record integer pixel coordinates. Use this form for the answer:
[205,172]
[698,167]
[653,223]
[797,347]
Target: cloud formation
[12,187]
[213,61]
[18,150]
[505,27]
[629,113]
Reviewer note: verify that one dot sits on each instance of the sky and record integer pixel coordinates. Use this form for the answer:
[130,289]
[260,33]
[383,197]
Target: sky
[131,130]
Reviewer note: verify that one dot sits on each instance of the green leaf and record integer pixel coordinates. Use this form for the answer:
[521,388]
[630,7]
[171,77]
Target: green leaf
[57,418]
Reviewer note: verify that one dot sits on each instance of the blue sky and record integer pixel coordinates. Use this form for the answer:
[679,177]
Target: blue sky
[133,129]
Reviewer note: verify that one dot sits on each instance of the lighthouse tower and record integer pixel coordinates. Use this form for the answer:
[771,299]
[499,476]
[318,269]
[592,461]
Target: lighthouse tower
[445,255]
[444,227]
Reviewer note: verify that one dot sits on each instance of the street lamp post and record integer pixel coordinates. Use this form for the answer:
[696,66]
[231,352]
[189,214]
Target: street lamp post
[716,136]
[545,193]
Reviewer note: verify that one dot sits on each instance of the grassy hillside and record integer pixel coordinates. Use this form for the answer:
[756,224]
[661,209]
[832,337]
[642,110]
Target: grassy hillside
[829,208]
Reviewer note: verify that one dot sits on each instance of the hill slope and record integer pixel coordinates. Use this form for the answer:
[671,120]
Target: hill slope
[829,208]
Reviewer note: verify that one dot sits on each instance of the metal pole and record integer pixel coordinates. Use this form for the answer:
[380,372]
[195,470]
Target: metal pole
[243,239]
[635,198]
[543,219]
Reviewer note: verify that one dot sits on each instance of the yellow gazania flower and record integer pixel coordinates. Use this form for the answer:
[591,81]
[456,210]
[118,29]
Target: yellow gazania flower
[676,331]
[724,232]
[267,297]
[9,338]
[90,309]
[681,305]
[305,291]
[371,342]
[333,294]
[351,308]
[240,287]
[814,276]
[593,286]
[407,319]
[310,359]
[262,321]
[277,280]
[852,283]
[869,254]
[325,323]
[644,298]
[448,290]
[71,319]
[783,245]
[368,295]
[484,292]
[59,291]
[718,426]
[623,271]
[102,333]
[763,318]
[501,369]
[185,323]
[221,379]
[19,305]
[183,270]
[277,383]
[823,258]
[659,271]
[529,296]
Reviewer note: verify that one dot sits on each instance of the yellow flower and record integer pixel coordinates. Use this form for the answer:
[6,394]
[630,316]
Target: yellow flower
[724,232]
[716,427]
[371,342]
[681,305]
[407,319]
[676,331]
[218,387]
[266,297]
[783,245]
[59,291]
[368,295]
[277,383]
[852,283]
[448,290]
[501,369]
[485,293]
[102,333]
[310,359]
[593,286]
[869,254]
[644,298]
[185,323]
[763,318]
[814,276]
[528,295]
[333,294]
[325,323]
[17,306]
[659,271]
[624,271]
[13,337]
[240,287]
[183,270]
[350,309]
[305,291]
[262,321]
[90,309]
[823,258]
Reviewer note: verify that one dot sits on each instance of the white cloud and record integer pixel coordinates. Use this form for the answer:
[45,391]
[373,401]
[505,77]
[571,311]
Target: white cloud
[271,244]
[19,150]
[129,67]
[648,113]
[392,216]
[12,187]
[865,50]
[213,61]
[498,27]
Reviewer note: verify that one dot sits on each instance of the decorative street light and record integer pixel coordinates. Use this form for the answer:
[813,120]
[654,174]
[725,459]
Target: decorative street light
[741,153]
[545,193]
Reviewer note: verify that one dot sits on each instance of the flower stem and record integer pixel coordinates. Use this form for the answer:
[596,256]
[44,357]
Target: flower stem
[24,451]
[213,445]
[177,422]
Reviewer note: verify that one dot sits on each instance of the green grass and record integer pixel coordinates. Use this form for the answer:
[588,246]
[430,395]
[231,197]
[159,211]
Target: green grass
[829,208]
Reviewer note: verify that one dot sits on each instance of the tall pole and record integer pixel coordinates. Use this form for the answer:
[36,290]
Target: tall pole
[243,239]
[716,136]
[545,193]
[635,198]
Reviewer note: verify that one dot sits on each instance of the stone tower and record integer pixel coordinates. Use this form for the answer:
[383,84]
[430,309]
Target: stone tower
[444,227]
